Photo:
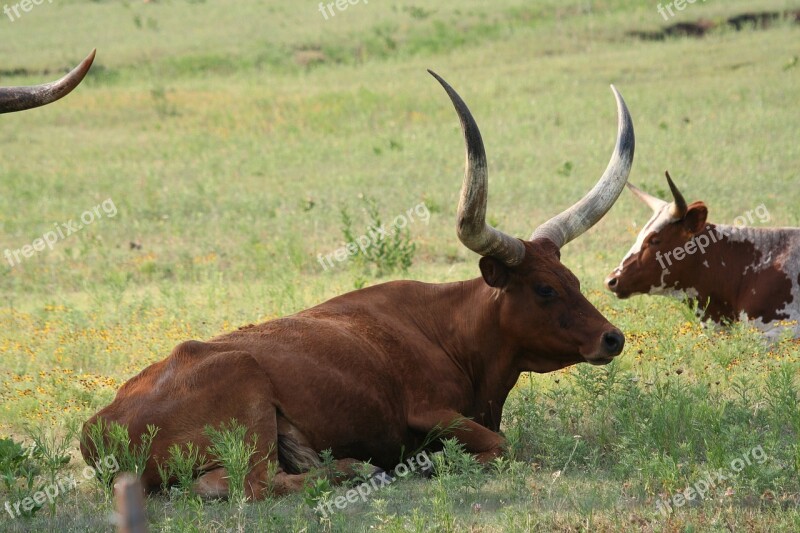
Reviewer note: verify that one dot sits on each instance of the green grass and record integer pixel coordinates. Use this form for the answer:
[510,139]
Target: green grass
[231,137]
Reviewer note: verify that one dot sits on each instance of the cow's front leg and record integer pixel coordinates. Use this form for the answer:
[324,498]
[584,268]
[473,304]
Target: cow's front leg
[484,443]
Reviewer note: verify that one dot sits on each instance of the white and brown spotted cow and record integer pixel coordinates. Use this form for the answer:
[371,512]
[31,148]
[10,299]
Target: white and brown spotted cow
[733,272]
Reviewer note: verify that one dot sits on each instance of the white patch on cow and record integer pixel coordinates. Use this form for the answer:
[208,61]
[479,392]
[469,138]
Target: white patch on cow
[657,222]
[705,264]
[779,247]
[659,289]
[663,290]
[789,263]
[681,294]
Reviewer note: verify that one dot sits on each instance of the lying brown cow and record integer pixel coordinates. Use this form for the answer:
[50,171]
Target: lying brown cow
[731,272]
[369,374]
[21,98]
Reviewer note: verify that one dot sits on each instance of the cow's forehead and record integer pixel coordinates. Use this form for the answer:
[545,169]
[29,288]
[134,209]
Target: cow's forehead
[660,219]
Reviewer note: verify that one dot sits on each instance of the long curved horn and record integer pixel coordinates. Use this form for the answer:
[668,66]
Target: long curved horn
[20,98]
[583,215]
[473,231]
[652,202]
[678,207]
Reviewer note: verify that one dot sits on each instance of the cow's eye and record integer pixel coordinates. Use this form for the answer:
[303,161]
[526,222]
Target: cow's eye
[545,291]
[655,241]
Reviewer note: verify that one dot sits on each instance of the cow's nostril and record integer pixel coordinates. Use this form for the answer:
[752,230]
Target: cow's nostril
[611,282]
[613,341]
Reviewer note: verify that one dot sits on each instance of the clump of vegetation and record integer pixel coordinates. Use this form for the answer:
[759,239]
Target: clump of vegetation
[457,468]
[20,469]
[316,492]
[181,465]
[34,471]
[112,440]
[233,452]
[161,103]
[388,249]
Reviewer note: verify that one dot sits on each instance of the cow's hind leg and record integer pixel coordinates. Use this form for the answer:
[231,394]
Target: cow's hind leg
[215,389]
[253,405]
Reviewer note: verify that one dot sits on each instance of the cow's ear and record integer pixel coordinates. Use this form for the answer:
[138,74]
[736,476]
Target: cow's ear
[494,273]
[695,219]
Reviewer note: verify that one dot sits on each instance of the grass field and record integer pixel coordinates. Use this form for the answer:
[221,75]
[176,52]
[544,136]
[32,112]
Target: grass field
[228,137]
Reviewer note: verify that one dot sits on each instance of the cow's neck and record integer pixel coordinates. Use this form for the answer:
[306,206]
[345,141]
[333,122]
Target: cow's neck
[468,331]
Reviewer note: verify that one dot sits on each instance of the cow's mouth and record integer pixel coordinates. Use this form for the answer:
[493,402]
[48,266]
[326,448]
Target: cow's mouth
[612,284]
[600,361]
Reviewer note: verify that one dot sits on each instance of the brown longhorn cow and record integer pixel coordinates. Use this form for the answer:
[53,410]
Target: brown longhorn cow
[730,272]
[371,373]
[21,98]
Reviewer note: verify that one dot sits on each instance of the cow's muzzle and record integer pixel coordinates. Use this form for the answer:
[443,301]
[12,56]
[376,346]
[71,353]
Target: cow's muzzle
[613,284]
[611,344]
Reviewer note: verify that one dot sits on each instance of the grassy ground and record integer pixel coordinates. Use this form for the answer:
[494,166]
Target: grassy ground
[228,137]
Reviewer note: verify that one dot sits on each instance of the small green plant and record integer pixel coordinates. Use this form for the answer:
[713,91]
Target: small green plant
[19,470]
[327,466]
[181,465]
[387,249]
[513,473]
[782,398]
[318,487]
[233,452]
[457,467]
[692,309]
[52,452]
[596,386]
[164,108]
[418,12]
[363,472]
[385,520]
[442,502]
[317,490]
[113,441]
